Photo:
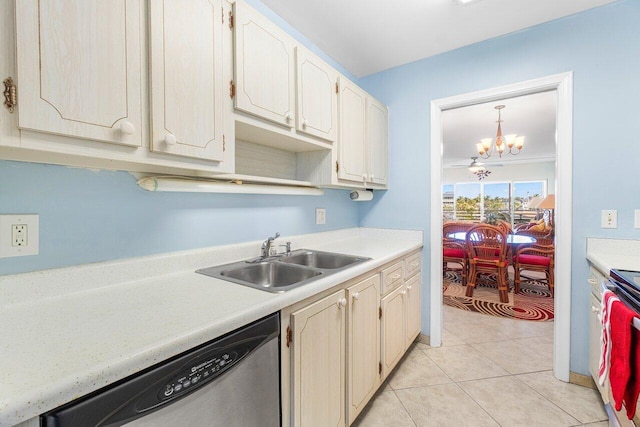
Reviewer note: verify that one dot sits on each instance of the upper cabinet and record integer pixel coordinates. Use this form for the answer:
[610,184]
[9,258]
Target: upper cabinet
[264,67]
[317,103]
[376,141]
[187,77]
[352,163]
[79,69]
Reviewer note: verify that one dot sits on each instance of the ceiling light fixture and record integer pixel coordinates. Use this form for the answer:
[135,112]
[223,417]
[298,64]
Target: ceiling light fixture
[511,141]
[466,2]
[478,169]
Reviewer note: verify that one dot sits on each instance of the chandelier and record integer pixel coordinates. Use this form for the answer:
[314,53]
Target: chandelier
[512,141]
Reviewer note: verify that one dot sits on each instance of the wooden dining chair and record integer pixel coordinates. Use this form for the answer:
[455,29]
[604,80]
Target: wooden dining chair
[537,257]
[454,251]
[487,249]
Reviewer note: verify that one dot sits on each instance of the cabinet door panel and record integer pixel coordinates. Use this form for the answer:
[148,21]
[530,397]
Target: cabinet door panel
[319,356]
[187,77]
[377,119]
[364,343]
[79,68]
[352,109]
[393,329]
[264,67]
[317,112]
[414,291]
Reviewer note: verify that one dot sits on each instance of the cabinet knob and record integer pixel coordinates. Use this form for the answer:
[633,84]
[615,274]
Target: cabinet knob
[409,287]
[288,116]
[403,292]
[170,139]
[127,128]
[595,309]
[342,303]
[305,123]
[356,296]
[372,177]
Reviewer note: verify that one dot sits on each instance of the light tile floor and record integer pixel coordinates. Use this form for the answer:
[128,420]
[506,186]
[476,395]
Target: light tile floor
[490,371]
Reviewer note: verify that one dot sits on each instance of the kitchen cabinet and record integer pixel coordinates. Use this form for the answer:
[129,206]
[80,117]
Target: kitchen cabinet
[187,82]
[379,327]
[264,67]
[79,69]
[363,136]
[595,329]
[393,329]
[317,100]
[319,350]
[401,311]
[363,348]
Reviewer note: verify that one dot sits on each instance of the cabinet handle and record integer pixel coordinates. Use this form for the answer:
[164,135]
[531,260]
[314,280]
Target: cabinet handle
[593,281]
[170,139]
[415,264]
[595,309]
[403,292]
[356,296]
[364,178]
[127,128]
[409,287]
[371,177]
[305,122]
[288,116]
[342,303]
[395,276]
[599,317]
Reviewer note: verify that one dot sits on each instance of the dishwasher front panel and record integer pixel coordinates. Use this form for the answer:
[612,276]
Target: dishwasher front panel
[231,381]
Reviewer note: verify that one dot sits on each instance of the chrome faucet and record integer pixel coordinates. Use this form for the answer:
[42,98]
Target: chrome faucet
[266,245]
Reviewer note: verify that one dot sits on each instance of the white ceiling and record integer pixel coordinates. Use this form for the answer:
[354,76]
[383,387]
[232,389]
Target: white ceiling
[533,116]
[367,36]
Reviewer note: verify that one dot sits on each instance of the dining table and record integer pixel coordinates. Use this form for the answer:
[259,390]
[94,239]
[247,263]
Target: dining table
[512,239]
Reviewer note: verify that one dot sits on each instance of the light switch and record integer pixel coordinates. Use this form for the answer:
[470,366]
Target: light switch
[609,219]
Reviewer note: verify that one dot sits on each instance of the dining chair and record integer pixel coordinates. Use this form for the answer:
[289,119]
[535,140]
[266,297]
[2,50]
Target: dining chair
[487,250]
[537,257]
[454,251]
[504,226]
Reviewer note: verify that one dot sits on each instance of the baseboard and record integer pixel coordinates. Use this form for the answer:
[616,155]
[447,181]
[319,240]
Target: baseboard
[424,339]
[582,380]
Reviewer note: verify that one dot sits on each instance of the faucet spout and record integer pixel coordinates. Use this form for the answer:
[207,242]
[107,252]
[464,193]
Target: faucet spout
[266,245]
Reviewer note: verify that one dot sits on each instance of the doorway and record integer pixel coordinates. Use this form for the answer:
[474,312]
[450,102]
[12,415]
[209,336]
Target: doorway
[562,84]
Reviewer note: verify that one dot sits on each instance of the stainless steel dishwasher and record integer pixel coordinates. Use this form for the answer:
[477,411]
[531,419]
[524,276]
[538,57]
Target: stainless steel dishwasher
[233,380]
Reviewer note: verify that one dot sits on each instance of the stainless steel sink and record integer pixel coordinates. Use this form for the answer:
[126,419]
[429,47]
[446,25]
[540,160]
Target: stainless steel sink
[321,260]
[283,272]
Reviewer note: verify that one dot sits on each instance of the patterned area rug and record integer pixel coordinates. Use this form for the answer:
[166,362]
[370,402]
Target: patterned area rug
[533,302]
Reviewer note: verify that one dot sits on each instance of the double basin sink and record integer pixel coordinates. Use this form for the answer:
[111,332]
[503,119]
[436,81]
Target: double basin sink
[281,273]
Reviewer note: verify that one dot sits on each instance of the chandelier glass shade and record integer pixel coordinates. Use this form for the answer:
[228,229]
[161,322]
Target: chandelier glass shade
[511,142]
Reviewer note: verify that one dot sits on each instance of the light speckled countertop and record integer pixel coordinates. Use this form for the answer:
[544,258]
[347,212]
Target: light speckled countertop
[605,254]
[67,332]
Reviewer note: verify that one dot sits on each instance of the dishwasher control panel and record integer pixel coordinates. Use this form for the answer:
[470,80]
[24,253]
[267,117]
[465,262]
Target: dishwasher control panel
[201,371]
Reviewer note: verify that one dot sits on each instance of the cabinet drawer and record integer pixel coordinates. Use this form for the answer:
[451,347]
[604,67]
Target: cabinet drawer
[412,265]
[392,277]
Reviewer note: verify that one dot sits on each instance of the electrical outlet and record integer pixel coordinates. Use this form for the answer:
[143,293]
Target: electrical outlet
[321,216]
[609,219]
[19,235]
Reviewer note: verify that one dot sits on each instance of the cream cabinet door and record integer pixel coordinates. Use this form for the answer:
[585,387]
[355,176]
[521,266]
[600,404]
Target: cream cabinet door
[376,137]
[363,352]
[352,135]
[187,87]
[317,100]
[319,356]
[393,329]
[79,68]
[413,308]
[264,67]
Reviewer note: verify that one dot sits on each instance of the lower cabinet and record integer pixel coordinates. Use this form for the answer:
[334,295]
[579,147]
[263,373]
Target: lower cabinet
[363,348]
[338,347]
[318,348]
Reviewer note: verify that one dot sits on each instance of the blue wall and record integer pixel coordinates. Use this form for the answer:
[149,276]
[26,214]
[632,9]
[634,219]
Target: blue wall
[602,48]
[88,216]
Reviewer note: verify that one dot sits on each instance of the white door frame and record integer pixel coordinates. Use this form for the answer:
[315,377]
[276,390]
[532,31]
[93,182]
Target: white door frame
[563,85]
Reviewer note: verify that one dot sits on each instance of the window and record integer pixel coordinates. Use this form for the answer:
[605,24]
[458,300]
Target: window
[509,200]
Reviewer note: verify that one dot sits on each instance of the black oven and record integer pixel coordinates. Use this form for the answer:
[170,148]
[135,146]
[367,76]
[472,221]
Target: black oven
[626,285]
